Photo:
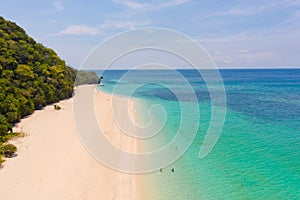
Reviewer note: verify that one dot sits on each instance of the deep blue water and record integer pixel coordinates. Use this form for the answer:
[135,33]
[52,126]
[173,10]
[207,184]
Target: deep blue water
[267,94]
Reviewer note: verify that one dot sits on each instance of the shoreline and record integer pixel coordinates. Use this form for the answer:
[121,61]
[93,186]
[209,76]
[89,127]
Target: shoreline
[118,137]
[53,164]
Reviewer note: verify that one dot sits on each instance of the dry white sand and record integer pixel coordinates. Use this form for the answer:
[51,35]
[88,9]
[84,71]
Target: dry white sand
[53,164]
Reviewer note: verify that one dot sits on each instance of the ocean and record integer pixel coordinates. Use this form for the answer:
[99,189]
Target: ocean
[258,153]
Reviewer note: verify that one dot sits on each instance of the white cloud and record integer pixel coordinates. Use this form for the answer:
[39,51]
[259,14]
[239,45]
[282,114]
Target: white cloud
[239,11]
[131,4]
[243,57]
[95,30]
[173,3]
[126,25]
[244,51]
[79,30]
[151,6]
[254,8]
[58,5]
[55,7]
[264,48]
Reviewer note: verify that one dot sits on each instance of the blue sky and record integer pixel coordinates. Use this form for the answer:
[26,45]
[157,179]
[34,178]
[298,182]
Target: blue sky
[236,33]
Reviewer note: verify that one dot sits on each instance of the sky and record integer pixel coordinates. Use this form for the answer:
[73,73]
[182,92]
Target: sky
[235,33]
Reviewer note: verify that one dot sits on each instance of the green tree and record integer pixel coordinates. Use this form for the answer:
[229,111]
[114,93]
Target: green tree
[31,76]
[4,125]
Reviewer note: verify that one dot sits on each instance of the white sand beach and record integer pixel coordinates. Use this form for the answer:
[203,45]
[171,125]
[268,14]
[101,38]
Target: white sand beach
[53,164]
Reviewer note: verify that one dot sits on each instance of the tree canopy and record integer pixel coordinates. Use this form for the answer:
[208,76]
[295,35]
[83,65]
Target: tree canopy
[31,76]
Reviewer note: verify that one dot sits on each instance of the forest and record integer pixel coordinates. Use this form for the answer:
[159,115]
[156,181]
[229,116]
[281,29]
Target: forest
[31,77]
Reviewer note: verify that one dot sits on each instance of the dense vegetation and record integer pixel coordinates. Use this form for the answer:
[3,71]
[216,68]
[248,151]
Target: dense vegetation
[84,77]
[31,76]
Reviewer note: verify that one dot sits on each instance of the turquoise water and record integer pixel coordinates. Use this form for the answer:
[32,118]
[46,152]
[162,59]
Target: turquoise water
[258,153]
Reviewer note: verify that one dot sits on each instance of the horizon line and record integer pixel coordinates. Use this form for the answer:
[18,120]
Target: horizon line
[267,68]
